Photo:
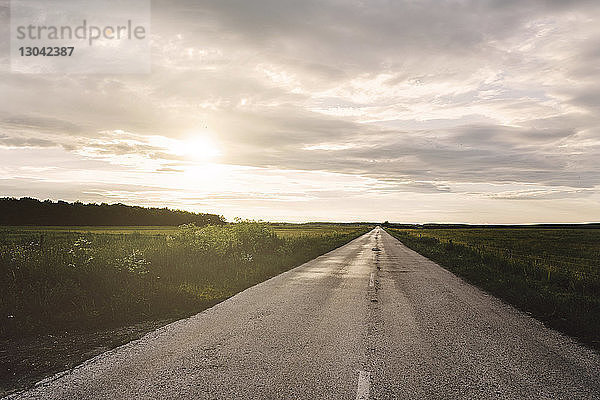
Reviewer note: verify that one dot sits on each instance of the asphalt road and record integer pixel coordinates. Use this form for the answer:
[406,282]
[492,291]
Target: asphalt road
[371,319]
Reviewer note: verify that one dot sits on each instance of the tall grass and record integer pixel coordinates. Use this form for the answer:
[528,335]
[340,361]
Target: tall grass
[63,280]
[554,274]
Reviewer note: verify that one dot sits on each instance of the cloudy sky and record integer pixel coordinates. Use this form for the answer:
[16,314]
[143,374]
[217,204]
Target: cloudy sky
[480,111]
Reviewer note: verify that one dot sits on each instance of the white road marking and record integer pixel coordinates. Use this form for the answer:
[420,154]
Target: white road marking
[364,381]
[372,280]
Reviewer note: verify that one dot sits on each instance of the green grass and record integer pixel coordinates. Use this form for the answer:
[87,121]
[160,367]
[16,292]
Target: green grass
[294,230]
[281,229]
[552,273]
[58,278]
[145,230]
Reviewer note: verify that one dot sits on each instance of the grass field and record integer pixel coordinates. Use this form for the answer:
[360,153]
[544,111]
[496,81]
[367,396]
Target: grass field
[91,279]
[294,230]
[281,229]
[552,273]
[40,230]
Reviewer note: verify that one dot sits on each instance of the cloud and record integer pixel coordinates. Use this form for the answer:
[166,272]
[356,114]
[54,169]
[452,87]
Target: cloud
[26,142]
[30,123]
[541,194]
[413,97]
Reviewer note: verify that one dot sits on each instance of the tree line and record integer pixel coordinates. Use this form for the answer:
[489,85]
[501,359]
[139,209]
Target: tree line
[30,211]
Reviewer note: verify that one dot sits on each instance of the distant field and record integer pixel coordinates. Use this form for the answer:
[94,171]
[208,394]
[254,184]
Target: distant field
[571,249]
[146,230]
[282,230]
[69,282]
[294,230]
[552,273]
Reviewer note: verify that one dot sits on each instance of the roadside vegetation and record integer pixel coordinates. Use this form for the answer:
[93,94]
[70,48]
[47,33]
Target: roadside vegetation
[58,280]
[55,281]
[552,273]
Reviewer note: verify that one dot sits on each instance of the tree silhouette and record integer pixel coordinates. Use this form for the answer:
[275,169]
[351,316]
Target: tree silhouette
[30,211]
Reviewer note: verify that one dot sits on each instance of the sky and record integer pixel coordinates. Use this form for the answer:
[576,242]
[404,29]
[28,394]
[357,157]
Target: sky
[475,111]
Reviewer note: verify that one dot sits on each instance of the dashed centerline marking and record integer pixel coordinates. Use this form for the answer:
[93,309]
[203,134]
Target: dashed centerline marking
[371,280]
[364,381]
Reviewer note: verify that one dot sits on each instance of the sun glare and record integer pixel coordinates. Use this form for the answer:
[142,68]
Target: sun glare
[196,147]
[200,147]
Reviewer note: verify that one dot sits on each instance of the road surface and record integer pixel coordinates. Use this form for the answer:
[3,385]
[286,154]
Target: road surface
[371,319]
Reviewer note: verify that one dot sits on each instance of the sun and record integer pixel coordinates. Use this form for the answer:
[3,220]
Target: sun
[197,146]
[200,147]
